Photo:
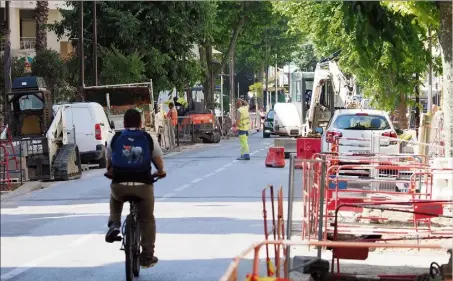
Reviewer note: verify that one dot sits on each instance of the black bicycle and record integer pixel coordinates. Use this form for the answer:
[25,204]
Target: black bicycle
[131,237]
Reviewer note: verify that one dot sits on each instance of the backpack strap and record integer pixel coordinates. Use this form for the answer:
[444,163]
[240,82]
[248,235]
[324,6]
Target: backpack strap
[114,138]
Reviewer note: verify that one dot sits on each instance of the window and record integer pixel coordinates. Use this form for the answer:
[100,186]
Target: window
[270,115]
[361,122]
[30,102]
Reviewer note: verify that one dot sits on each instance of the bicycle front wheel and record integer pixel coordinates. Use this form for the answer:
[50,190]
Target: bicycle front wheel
[136,250]
[129,247]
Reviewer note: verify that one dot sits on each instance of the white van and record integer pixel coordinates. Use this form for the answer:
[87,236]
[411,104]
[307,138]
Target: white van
[92,130]
[287,120]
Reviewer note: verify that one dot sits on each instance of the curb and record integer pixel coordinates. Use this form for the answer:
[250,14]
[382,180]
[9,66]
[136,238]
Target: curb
[24,189]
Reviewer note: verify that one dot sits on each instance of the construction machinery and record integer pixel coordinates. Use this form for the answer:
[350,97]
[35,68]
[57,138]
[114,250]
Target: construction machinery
[116,99]
[331,90]
[199,121]
[41,138]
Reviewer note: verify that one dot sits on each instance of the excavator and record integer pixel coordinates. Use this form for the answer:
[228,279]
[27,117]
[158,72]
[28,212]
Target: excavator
[44,140]
[331,90]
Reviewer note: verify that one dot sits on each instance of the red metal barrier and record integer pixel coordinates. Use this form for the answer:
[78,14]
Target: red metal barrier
[416,179]
[306,148]
[277,229]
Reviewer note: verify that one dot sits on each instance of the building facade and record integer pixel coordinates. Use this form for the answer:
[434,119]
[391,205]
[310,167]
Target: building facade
[23,28]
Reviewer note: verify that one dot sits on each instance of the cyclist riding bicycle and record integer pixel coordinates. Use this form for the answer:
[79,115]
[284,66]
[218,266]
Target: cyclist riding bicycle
[130,155]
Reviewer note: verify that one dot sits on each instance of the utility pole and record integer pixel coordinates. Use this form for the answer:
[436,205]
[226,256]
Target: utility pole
[267,75]
[430,75]
[7,61]
[95,45]
[232,105]
[276,79]
[289,80]
[81,53]
[221,96]
[238,91]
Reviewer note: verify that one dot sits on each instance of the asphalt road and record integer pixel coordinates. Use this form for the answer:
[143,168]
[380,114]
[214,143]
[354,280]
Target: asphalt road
[208,210]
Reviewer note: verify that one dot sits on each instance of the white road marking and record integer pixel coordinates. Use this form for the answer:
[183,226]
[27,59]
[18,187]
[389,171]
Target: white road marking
[167,195]
[219,170]
[37,262]
[229,164]
[196,180]
[182,187]
[209,175]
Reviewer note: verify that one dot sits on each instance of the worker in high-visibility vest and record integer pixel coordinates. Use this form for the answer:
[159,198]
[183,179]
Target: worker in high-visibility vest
[243,126]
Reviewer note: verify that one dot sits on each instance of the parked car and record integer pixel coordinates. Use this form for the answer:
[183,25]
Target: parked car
[355,128]
[268,126]
[287,120]
[92,130]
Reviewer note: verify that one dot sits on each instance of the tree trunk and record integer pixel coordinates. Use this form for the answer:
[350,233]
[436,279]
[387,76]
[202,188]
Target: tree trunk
[209,75]
[260,101]
[445,35]
[41,14]
[402,111]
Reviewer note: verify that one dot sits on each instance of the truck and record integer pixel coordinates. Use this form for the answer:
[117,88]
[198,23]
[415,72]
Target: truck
[43,139]
[116,99]
[331,90]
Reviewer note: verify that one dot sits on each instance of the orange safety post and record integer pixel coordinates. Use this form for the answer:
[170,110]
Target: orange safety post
[275,157]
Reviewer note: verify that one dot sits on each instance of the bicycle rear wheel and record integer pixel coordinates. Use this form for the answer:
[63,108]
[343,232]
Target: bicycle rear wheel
[128,248]
[136,250]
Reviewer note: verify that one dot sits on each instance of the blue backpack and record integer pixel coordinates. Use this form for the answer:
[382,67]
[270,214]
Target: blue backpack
[132,156]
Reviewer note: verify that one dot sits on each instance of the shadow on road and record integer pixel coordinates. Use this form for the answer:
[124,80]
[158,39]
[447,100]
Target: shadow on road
[165,270]
[181,270]
[69,224]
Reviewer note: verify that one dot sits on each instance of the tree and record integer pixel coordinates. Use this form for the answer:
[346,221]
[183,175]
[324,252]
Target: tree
[17,70]
[381,48]
[41,14]
[118,68]
[239,28]
[438,15]
[49,65]
[163,32]
[305,58]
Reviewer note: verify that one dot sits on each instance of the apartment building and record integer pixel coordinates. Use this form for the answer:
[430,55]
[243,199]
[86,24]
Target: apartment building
[23,28]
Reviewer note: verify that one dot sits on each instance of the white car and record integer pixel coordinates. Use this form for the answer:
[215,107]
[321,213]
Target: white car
[92,130]
[357,128]
[287,120]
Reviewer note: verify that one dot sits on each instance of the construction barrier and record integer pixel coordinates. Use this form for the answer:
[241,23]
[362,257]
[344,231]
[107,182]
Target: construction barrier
[306,148]
[341,192]
[277,229]
[275,157]
[255,274]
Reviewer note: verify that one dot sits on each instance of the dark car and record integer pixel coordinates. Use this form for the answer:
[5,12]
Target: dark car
[268,127]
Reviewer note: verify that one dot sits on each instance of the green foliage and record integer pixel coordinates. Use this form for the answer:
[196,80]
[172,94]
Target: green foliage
[305,58]
[162,32]
[381,48]
[257,88]
[17,70]
[118,68]
[49,65]
[268,29]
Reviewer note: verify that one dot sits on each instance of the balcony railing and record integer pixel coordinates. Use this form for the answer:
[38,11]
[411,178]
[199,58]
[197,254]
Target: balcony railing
[27,43]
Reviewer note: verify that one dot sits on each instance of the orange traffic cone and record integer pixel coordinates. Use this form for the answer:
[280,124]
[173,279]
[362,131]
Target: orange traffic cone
[275,157]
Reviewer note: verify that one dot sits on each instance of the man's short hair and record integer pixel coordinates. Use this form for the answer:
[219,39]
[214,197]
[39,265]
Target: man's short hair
[132,118]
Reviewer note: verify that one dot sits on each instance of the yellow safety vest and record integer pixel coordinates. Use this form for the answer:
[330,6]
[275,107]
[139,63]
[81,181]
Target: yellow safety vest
[244,124]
